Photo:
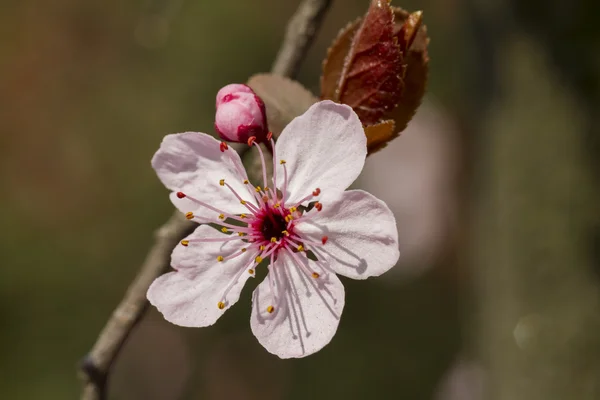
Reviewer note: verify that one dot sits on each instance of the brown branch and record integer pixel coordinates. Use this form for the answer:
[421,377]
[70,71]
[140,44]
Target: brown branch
[96,366]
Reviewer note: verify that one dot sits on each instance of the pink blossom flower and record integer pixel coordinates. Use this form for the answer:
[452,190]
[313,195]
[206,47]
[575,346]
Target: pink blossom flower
[240,114]
[302,225]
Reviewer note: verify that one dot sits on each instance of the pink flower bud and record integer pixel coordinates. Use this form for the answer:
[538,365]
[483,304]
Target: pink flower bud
[240,114]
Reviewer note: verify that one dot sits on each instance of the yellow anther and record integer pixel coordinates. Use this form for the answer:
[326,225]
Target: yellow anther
[243,250]
[222,182]
[293,209]
[315,275]
[246,181]
[261,247]
[276,205]
[185,242]
[282,162]
[243,216]
[221,305]
[266,189]
[242,202]
[241,234]
[221,216]
[288,218]
[286,233]
[257,189]
[300,248]
[258,259]
[224,230]
[251,271]
[273,240]
[189,215]
[270,309]
[219,258]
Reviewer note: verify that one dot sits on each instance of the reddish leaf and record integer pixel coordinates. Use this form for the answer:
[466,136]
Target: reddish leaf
[412,35]
[370,81]
[379,135]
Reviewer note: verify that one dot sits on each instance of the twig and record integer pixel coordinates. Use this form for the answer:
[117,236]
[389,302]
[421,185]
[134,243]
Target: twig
[95,367]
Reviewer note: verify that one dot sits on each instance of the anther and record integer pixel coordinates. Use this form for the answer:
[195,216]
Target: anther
[246,181]
[261,247]
[273,240]
[241,234]
[266,189]
[282,162]
[219,258]
[223,146]
[180,195]
[293,209]
[185,242]
[288,218]
[286,233]
[316,192]
[270,309]
[251,140]
[265,199]
[315,275]
[257,189]
[242,202]
[221,305]
[300,248]
[318,206]
[243,250]
[324,239]
[222,182]
[243,216]
[276,205]
[189,215]
[258,259]
[224,230]
[221,216]
[251,271]
[269,135]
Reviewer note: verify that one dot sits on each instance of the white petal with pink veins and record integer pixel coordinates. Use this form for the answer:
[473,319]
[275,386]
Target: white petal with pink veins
[362,239]
[190,296]
[323,148]
[193,163]
[306,310]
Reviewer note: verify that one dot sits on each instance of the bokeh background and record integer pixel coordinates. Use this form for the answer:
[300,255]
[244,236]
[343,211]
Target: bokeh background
[494,186]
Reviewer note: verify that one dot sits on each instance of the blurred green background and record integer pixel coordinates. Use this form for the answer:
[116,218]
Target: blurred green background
[494,186]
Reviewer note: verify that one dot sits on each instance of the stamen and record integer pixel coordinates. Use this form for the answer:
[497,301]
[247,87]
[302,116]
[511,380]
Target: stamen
[300,248]
[318,206]
[223,146]
[222,182]
[316,192]
[286,233]
[189,215]
[224,230]
[300,264]
[185,243]
[251,271]
[221,216]
[251,140]
[243,216]
[270,136]
[288,218]
[324,239]
[270,309]
[258,259]
[273,240]
[251,207]
[219,258]
[180,195]
[285,181]
[261,247]
[262,159]
[246,181]
[221,305]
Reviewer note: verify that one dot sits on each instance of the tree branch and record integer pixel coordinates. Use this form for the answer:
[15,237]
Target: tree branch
[95,367]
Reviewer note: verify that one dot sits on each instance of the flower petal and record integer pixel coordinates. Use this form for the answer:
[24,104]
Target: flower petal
[193,163]
[362,239]
[190,296]
[306,311]
[323,148]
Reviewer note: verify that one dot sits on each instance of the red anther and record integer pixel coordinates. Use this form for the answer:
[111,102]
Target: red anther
[324,239]
[269,135]
[265,199]
[251,140]
[180,195]
[318,206]
[316,192]
[223,146]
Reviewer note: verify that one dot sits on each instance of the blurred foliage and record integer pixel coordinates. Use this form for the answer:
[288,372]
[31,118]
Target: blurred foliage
[90,88]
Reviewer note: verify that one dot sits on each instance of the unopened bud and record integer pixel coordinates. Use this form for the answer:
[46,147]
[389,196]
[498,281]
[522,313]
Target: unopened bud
[240,114]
